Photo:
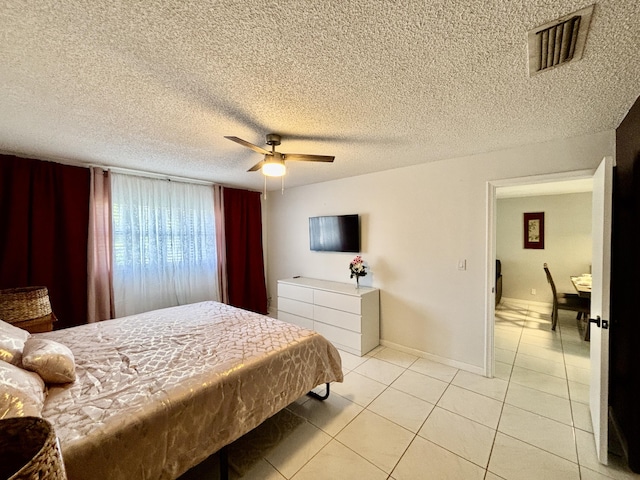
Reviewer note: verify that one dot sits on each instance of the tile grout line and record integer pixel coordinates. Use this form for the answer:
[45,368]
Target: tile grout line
[504,401]
[573,422]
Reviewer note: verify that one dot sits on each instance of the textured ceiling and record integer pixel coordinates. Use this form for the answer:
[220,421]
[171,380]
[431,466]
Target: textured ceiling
[156,85]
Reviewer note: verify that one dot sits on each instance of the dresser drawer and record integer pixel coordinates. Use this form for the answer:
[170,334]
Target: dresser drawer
[296,293]
[339,336]
[338,318]
[295,319]
[337,301]
[296,307]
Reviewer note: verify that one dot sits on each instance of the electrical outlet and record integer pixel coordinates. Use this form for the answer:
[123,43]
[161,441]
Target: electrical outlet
[533,291]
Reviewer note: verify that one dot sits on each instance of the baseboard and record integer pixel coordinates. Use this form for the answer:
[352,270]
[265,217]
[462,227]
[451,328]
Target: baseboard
[519,301]
[445,361]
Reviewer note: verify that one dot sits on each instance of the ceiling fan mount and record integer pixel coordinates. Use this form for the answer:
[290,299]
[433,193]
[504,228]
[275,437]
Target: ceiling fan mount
[273,139]
[272,164]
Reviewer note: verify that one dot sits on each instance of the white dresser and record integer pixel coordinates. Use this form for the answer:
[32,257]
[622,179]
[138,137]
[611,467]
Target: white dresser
[347,317]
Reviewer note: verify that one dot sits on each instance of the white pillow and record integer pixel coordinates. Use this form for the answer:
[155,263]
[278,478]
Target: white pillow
[21,392]
[53,361]
[12,342]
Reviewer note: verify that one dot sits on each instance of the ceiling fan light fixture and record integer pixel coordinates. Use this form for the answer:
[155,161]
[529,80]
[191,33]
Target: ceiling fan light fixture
[273,168]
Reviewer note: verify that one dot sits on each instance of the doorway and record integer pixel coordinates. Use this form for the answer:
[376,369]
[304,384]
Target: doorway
[519,187]
[601,257]
[564,210]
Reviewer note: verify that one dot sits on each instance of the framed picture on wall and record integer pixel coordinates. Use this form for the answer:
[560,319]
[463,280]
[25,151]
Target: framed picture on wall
[534,230]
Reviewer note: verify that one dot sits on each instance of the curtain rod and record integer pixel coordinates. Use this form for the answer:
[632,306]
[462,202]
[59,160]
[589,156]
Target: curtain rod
[75,163]
[162,176]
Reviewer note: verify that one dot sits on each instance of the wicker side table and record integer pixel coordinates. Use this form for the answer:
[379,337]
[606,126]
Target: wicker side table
[28,308]
[37,325]
[29,450]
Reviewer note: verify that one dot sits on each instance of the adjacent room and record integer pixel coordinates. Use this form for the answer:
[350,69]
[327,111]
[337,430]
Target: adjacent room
[294,240]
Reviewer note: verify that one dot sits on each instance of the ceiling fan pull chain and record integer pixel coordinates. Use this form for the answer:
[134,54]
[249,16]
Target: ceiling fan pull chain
[264,195]
[282,177]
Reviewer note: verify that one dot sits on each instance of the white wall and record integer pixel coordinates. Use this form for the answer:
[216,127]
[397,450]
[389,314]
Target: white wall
[567,244]
[416,223]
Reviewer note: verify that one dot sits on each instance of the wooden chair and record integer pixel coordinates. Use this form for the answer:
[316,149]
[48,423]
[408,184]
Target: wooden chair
[566,301]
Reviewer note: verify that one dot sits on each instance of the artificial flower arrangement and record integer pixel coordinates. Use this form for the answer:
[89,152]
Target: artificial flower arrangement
[357,269]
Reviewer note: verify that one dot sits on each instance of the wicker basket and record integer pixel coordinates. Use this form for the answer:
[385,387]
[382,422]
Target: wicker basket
[29,450]
[22,304]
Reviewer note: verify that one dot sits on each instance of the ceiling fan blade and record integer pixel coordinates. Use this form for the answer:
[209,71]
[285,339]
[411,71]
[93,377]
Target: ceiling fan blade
[256,167]
[307,158]
[253,147]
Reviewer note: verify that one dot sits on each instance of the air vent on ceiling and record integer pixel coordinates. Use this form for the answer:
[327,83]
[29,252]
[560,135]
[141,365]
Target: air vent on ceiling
[559,42]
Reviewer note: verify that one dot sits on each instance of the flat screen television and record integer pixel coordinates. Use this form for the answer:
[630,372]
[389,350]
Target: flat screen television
[335,233]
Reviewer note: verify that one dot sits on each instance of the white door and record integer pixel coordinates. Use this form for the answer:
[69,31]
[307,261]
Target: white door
[601,270]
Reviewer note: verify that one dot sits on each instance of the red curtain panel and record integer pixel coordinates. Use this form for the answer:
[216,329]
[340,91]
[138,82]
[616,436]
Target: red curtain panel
[44,212]
[245,263]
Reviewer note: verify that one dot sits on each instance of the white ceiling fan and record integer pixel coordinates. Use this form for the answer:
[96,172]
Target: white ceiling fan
[272,165]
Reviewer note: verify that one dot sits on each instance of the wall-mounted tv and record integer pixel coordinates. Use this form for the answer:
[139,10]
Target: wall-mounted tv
[336,233]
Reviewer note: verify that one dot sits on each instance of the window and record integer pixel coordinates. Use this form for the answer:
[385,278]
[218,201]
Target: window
[164,246]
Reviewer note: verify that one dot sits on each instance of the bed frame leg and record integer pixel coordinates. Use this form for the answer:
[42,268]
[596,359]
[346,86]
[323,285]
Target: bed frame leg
[224,463]
[317,396]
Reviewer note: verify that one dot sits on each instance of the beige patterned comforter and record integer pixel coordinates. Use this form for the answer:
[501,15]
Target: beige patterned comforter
[158,392]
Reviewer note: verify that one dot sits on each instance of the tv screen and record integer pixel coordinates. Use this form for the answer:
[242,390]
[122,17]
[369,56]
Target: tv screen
[337,233]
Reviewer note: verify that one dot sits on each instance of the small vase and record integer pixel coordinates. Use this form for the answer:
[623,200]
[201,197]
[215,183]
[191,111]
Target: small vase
[357,282]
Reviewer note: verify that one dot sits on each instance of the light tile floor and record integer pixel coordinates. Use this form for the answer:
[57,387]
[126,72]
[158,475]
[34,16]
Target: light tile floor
[397,416]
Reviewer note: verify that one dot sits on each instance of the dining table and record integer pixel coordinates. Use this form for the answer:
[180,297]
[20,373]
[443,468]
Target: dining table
[582,284]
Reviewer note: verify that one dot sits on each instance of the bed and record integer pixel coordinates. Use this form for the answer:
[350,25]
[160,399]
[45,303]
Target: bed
[157,393]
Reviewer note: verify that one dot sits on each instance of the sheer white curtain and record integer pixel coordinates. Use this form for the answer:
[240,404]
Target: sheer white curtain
[164,244]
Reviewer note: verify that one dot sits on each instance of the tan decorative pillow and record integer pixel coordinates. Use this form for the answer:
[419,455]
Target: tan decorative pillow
[21,392]
[53,361]
[12,343]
